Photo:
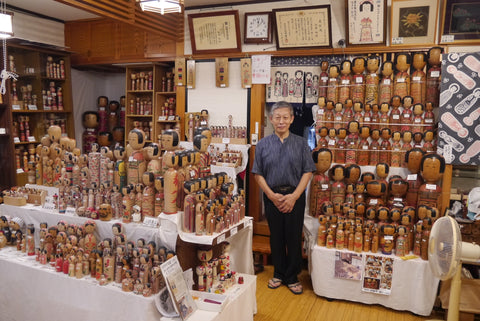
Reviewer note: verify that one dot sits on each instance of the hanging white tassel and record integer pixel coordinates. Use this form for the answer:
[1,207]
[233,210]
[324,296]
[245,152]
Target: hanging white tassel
[4,76]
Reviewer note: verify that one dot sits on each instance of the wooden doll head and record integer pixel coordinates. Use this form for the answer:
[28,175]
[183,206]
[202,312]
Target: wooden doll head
[367,177]
[170,140]
[338,172]
[419,61]
[90,119]
[384,108]
[395,214]
[428,106]
[200,143]
[418,109]
[352,173]
[433,213]
[357,107]
[324,65]
[375,134]
[402,61]
[113,106]
[359,64]
[323,132]
[365,132]
[417,138]
[333,71]
[396,101]
[102,101]
[376,188]
[332,133]
[373,62]
[407,102]
[119,153]
[359,187]
[322,159]
[382,170]
[337,208]
[148,178]
[348,103]
[428,136]
[407,136]
[205,131]
[330,105]
[386,133]
[118,134]
[405,219]
[360,209]
[368,107]
[432,167]
[396,136]
[342,133]
[401,230]
[136,139]
[353,127]
[55,133]
[338,107]
[327,208]
[435,56]
[350,188]
[398,187]
[171,160]
[159,183]
[322,101]
[345,67]
[371,213]
[375,108]
[422,211]
[383,213]
[105,138]
[387,69]
[427,223]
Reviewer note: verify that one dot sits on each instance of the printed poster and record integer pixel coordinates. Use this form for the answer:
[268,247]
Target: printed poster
[348,265]
[377,276]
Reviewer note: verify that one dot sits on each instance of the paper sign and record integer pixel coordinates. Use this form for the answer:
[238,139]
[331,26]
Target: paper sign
[261,65]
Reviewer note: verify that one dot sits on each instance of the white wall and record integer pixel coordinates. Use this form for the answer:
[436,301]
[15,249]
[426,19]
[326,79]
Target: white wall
[37,29]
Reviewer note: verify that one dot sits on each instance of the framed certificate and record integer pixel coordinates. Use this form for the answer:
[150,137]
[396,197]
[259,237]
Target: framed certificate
[305,27]
[215,32]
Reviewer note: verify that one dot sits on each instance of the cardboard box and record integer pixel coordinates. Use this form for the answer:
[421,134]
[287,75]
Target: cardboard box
[469,295]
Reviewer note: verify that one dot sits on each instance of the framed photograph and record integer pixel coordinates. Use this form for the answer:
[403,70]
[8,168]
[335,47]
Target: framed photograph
[258,27]
[413,22]
[305,27]
[366,22]
[215,32]
[460,23]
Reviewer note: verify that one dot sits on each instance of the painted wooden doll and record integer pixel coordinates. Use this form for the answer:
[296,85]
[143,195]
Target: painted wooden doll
[374,147]
[432,167]
[372,79]
[340,146]
[401,84]
[406,117]
[385,146]
[434,75]
[171,184]
[395,113]
[159,195]
[413,159]
[338,120]
[329,115]
[345,81]
[136,160]
[320,186]
[352,142]
[397,156]
[333,82]
[385,91]
[323,80]
[337,173]
[148,199]
[418,84]
[358,113]
[363,154]
[358,80]
[417,120]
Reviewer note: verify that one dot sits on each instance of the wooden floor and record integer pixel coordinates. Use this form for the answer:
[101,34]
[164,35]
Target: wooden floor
[282,305]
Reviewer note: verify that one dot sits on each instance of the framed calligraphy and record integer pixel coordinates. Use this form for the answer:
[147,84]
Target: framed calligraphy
[413,22]
[305,27]
[215,32]
[460,21]
[366,22]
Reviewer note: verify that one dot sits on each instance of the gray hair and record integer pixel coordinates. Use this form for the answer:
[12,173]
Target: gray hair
[280,104]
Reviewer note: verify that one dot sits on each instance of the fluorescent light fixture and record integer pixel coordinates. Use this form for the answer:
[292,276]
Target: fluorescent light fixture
[6,30]
[162,6]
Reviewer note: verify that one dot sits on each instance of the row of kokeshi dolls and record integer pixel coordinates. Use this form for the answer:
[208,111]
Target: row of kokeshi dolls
[74,250]
[363,146]
[389,231]
[347,185]
[398,115]
[214,274]
[362,81]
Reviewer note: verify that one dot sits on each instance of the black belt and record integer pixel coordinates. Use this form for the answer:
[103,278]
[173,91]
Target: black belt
[284,189]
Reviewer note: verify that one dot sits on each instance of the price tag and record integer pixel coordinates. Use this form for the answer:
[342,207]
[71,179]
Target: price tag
[16,140]
[150,221]
[32,107]
[418,120]
[388,237]
[448,38]
[435,74]
[101,108]
[233,231]
[130,159]
[365,147]
[338,118]
[397,199]
[16,107]
[70,211]
[366,119]
[417,78]
[3,131]
[189,86]
[180,84]
[222,85]
[162,118]
[387,81]
[373,201]
[431,187]
[345,81]
[324,187]
[324,78]
[396,117]
[320,111]
[50,108]
[221,238]
[397,40]
[359,80]
[331,142]
[412,177]
[333,79]
[31,139]
[20,171]
[171,117]
[226,140]
[401,80]
[406,116]
[429,120]
[248,86]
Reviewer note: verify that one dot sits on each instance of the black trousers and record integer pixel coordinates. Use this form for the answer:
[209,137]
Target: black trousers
[286,239]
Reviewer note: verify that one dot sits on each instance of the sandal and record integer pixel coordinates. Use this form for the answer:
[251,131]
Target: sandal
[296,288]
[274,283]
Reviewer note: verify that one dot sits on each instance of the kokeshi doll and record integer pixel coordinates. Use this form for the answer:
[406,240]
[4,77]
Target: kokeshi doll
[372,79]
[189,214]
[401,84]
[358,113]
[345,81]
[199,213]
[401,241]
[153,157]
[320,186]
[113,108]
[358,80]
[340,237]
[406,117]
[171,184]
[159,195]
[428,117]
[89,136]
[397,156]
[434,75]
[322,231]
[202,147]
[136,160]
[413,159]
[330,243]
[329,116]
[375,120]
[363,153]
[338,117]
[116,202]
[432,167]
[385,146]
[57,165]
[398,189]
[120,170]
[387,241]
[352,173]
[352,143]
[340,146]
[182,177]
[385,89]
[319,117]
[148,200]
[323,80]
[30,240]
[105,158]
[359,193]
[333,82]
[367,115]
[322,141]
[358,239]
[417,120]
[94,164]
[374,147]
[337,174]
[127,204]
[418,83]
[428,145]
[417,140]
[395,113]
[375,191]
[347,112]
[102,113]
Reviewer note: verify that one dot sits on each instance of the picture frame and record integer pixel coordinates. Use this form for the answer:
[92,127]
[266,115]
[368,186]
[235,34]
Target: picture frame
[455,27]
[366,22]
[215,32]
[413,22]
[304,27]
[258,27]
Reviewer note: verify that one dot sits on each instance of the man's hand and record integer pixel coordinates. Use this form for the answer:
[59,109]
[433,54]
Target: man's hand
[287,202]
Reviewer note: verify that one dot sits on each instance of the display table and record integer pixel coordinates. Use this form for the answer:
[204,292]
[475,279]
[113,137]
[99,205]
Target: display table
[414,288]
[240,307]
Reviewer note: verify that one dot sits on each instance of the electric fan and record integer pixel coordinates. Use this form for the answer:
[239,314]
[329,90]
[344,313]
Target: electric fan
[446,252]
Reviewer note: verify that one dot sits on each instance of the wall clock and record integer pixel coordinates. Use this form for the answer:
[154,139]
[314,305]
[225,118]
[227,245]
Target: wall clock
[258,27]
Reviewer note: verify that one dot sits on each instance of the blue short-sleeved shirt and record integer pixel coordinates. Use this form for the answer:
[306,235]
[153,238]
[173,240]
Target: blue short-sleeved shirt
[283,163]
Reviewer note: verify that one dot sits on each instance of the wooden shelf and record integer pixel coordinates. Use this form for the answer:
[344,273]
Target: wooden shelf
[140,91]
[140,116]
[26,143]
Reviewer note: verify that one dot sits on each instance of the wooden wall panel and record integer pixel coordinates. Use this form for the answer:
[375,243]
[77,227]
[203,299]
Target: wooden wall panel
[130,42]
[103,40]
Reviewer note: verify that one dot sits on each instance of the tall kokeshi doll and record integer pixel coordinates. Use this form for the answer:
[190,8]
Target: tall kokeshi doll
[418,83]
[413,159]
[170,141]
[148,201]
[433,75]
[320,186]
[102,113]
[89,136]
[171,184]
[120,169]
[204,155]
[136,161]
[159,195]
[94,164]
[432,167]
[401,84]
[153,157]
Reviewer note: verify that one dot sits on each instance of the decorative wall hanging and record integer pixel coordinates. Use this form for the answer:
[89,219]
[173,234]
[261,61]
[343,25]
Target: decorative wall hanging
[460,21]
[365,20]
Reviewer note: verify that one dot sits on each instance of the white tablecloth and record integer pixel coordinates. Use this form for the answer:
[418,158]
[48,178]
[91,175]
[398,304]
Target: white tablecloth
[414,288]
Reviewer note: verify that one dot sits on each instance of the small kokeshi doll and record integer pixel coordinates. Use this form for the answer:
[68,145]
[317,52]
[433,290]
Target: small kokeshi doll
[322,141]
[413,160]
[385,146]
[372,79]
[136,160]
[113,108]
[382,170]
[338,116]
[348,111]
[148,198]
[322,231]
[352,142]
[345,81]
[376,191]
[428,145]
[337,174]
[363,153]
[374,147]
[333,82]
[332,142]
[401,85]
[406,117]
[428,117]
[398,189]
[120,169]
[320,186]
[323,80]
[153,157]
[432,167]
[387,241]
[434,75]
[358,113]
[358,80]
[352,173]
[418,83]
[397,156]
[360,208]
[171,184]
[386,83]
[90,122]
[329,115]
[401,248]
[340,147]
[417,120]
